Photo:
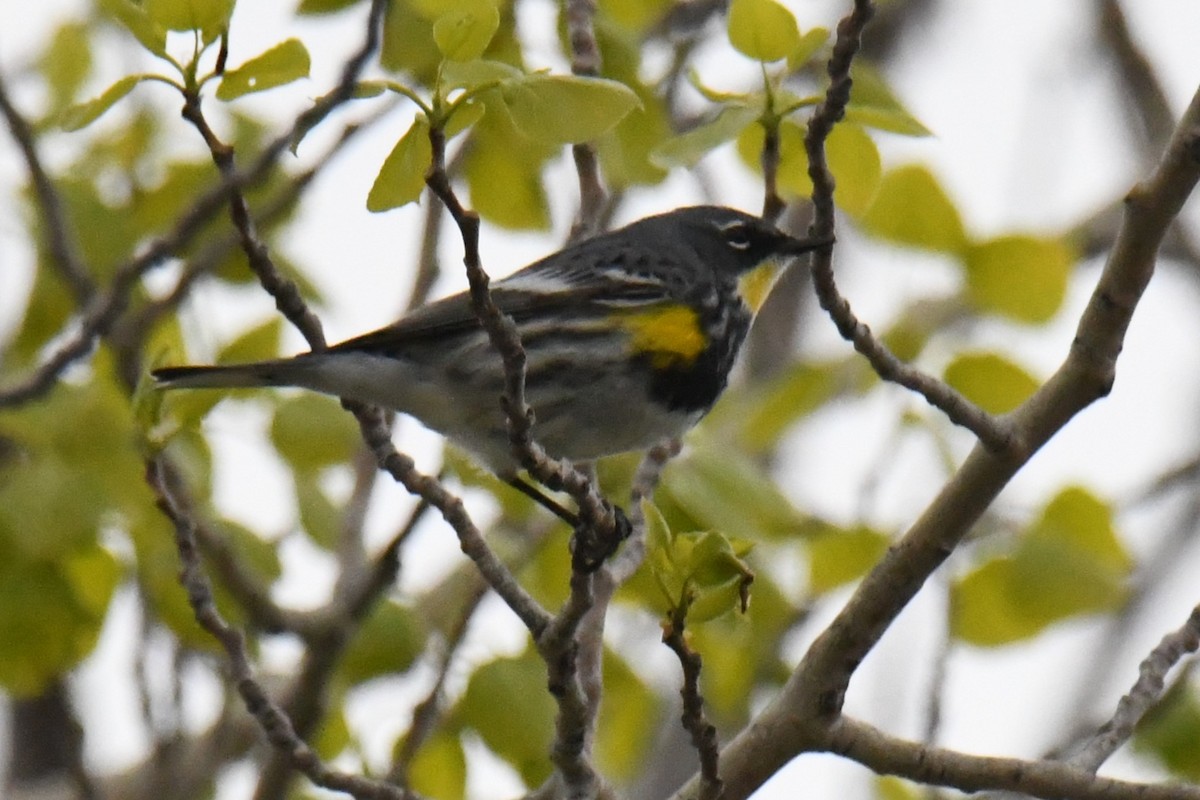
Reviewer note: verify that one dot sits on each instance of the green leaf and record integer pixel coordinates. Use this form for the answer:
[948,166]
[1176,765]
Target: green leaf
[402,176]
[314,7]
[252,551]
[1077,517]
[628,724]
[477,73]
[51,614]
[810,43]
[688,148]
[635,15]
[507,695]
[856,166]
[723,490]
[763,29]
[151,34]
[983,610]
[282,64]
[257,344]
[912,208]
[440,767]
[1020,277]
[208,16]
[872,104]
[796,393]
[503,172]
[67,61]
[463,33]
[388,643]
[319,517]
[565,109]
[1068,563]
[836,557]
[80,116]
[1171,732]
[312,431]
[626,151]
[888,787]
[408,45]
[990,381]
[718,579]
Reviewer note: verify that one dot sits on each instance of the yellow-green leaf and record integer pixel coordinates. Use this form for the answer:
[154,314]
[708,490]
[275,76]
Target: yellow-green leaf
[990,381]
[314,7]
[1171,731]
[722,490]
[912,208]
[873,104]
[507,695]
[836,556]
[440,767]
[686,149]
[463,33]
[282,64]
[1078,517]
[763,29]
[402,176]
[503,172]
[312,431]
[257,344]
[389,642]
[67,61]
[151,34]
[1020,277]
[80,116]
[207,16]
[628,726]
[565,109]
[983,610]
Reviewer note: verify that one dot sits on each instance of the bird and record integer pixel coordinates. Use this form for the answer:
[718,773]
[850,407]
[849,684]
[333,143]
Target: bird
[630,337]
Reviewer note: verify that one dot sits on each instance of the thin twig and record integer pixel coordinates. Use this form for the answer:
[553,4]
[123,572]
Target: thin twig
[703,732]
[499,577]
[60,238]
[104,308]
[1145,694]
[994,433]
[274,721]
[585,60]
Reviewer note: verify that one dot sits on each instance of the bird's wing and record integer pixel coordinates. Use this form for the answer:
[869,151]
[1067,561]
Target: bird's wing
[581,280]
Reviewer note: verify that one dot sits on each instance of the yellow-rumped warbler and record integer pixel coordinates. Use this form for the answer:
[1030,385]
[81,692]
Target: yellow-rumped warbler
[629,338]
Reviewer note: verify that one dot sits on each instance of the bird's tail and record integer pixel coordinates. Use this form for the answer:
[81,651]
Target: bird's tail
[233,376]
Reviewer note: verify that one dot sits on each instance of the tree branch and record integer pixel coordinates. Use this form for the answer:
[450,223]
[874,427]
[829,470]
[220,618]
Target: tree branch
[994,433]
[60,238]
[806,716]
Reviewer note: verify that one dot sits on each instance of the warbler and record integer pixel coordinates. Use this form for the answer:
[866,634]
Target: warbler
[629,337]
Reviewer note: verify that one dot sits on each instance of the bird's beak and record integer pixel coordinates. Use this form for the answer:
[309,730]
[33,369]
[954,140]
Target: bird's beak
[793,246]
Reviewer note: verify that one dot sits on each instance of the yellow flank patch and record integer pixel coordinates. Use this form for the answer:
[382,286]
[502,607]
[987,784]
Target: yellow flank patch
[669,335]
[756,284]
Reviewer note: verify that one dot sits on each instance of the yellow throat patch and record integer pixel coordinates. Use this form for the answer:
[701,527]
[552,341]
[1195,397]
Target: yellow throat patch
[669,335]
[755,285]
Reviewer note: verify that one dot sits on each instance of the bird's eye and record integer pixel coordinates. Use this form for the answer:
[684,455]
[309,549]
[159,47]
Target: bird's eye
[737,235]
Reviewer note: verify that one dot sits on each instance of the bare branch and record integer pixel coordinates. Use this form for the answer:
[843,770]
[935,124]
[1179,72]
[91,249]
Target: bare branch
[60,238]
[806,716]
[103,309]
[994,433]
[888,755]
[1146,692]
[273,719]
[585,60]
[703,732]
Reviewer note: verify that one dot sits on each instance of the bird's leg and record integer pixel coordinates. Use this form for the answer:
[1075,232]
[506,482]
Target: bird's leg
[544,500]
[588,552]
